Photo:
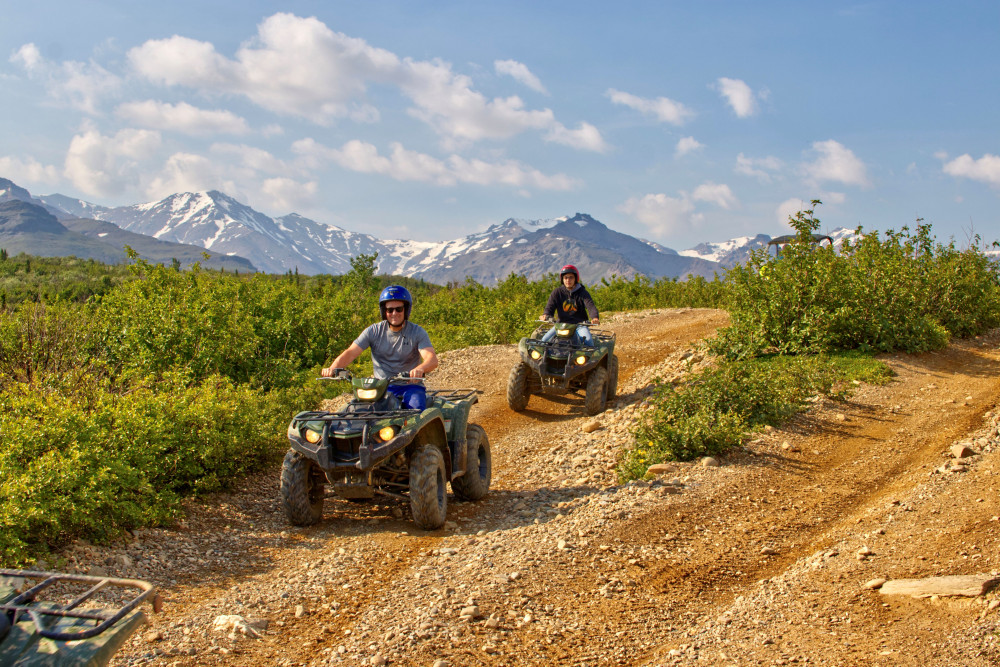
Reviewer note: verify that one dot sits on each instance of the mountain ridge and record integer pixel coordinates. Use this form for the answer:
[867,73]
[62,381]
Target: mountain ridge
[224,226]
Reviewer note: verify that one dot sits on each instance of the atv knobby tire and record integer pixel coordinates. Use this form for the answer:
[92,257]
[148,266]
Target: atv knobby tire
[597,390]
[612,377]
[302,489]
[518,391]
[474,484]
[428,487]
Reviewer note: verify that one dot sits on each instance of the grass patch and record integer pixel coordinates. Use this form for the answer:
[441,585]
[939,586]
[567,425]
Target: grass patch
[716,408]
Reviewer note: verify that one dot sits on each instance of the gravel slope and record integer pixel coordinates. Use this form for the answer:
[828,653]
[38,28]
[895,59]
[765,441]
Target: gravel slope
[763,559]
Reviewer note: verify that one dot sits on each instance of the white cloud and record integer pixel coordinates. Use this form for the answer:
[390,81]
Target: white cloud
[299,67]
[661,214]
[250,159]
[738,95]
[29,57]
[836,163]
[181,117]
[288,195]
[28,170]
[986,169]
[294,66]
[760,168]
[79,85]
[663,109]
[788,208]
[586,137]
[687,145]
[664,215]
[520,72]
[187,172]
[406,165]
[715,193]
[107,165]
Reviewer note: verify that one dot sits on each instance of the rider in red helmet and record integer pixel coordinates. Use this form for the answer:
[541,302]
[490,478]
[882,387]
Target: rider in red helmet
[397,345]
[574,305]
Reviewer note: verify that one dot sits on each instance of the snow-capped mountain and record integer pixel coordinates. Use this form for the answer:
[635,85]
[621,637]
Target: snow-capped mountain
[533,248]
[737,251]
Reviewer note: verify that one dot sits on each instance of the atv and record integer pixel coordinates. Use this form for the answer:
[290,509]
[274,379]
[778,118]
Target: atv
[52,619]
[563,365]
[375,446]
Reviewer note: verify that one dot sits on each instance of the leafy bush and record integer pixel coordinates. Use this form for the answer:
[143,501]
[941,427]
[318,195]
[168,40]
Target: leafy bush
[97,463]
[716,408]
[903,292]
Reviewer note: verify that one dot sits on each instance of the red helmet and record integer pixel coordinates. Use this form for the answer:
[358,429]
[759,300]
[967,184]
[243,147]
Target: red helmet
[569,268]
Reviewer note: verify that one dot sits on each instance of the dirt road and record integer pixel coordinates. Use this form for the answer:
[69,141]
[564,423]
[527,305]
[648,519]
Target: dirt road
[760,560]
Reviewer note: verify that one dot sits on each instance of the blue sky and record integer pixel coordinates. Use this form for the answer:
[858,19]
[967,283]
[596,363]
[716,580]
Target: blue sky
[678,122]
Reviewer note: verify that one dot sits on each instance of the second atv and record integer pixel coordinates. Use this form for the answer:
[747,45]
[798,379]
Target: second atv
[374,446]
[563,365]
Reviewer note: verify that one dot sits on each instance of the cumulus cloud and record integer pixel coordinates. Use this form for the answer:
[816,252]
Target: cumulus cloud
[715,193]
[788,208]
[106,165]
[687,145]
[406,165]
[661,214]
[763,169]
[664,215]
[299,67]
[519,72]
[181,117]
[663,109]
[738,96]
[79,85]
[586,137]
[28,170]
[986,169]
[287,194]
[836,163]
[188,172]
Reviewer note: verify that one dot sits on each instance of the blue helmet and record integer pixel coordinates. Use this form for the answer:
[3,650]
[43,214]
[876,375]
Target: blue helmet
[395,293]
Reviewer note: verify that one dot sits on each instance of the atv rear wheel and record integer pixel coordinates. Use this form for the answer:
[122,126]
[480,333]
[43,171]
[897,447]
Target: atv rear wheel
[302,489]
[518,391]
[597,390]
[474,484]
[612,377]
[428,487]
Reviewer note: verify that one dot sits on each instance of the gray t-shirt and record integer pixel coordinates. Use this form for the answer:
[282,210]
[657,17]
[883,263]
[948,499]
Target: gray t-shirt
[394,353]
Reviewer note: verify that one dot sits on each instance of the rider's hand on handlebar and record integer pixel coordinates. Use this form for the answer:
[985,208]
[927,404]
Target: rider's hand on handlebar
[332,372]
[596,320]
[416,373]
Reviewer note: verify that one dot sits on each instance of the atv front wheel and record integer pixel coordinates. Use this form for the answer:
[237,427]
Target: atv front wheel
[612,377]
[518,391]
[302,489]
[428,487]
[474,484]
[597,390]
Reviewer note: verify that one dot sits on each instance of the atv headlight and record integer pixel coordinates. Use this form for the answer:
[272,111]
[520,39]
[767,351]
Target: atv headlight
[311,436]
[535,354]
[367,394]
[581,359]
[387,433]
[563,332]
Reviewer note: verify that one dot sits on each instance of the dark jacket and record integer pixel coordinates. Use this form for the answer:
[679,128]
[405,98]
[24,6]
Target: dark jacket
[573,306]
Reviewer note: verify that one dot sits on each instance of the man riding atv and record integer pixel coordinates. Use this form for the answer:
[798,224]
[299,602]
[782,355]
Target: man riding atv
[573,303]
[397,345]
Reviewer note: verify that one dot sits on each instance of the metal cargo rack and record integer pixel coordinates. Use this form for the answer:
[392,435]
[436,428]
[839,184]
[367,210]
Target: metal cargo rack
[46,614]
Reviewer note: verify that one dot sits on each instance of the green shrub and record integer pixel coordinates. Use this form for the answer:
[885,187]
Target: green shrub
[903,292]
[713,410]
[97,464]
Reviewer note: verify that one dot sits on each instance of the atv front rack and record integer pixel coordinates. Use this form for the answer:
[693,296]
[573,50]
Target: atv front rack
[46,614]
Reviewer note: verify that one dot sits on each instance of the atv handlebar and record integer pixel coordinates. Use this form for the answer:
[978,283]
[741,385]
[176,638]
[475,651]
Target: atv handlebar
[344,374]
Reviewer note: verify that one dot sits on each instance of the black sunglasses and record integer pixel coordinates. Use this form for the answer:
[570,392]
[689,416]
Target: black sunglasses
[395,309]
